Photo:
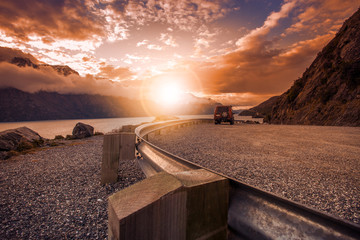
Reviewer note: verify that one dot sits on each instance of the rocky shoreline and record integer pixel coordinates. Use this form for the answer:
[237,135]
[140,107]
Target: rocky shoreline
[55,192]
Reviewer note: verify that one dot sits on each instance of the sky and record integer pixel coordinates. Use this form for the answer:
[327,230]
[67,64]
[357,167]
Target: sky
[232,51]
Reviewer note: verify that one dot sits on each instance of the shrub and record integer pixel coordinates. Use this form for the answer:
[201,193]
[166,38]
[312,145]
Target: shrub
[53,144]
[69,137]
[59,137]
[38,143]
[24,145]
[98,133]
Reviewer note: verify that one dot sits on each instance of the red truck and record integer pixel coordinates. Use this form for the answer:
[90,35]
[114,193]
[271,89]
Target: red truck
[223,114]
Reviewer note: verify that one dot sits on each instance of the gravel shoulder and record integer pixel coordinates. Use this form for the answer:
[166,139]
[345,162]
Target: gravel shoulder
[55,193]
[313,165]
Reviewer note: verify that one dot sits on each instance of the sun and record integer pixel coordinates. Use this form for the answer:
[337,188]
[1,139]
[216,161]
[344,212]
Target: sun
[169,94]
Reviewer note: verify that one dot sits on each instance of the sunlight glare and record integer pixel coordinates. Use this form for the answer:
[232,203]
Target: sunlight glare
[169,94]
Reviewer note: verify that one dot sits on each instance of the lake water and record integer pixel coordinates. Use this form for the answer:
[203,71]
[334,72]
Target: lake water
[51,128]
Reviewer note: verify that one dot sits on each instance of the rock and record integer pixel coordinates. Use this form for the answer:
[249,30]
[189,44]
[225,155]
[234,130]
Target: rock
[10,139]
[18,139]
[82,130]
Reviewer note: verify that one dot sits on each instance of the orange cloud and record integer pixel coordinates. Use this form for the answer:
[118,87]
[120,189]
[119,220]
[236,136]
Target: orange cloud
[259,69]
[39,77]
[51,19]
[113,73]
[184,14]
[316,16]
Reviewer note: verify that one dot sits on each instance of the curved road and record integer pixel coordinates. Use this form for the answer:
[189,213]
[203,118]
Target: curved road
[315,165]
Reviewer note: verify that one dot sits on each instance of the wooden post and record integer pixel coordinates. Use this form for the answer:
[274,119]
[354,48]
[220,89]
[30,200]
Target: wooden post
[116,147]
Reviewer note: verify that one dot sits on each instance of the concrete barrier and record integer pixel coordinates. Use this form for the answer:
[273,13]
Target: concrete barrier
[116,147]
[185,205]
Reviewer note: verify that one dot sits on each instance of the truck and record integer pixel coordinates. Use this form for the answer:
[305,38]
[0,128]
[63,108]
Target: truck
[223,114]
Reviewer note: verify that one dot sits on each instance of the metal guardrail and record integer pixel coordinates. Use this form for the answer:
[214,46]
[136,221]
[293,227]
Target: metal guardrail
[253,213]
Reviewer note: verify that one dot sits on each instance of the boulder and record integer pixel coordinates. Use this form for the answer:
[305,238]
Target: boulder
[17,139]
[82,130]
[10,139]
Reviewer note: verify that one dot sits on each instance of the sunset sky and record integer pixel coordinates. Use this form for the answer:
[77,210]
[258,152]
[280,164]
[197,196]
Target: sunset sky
[236,52]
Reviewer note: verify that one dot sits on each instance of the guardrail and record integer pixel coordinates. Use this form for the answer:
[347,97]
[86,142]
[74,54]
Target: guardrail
[199,202]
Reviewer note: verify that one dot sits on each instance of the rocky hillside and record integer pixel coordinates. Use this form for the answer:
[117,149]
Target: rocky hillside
[262,110]
[328,93]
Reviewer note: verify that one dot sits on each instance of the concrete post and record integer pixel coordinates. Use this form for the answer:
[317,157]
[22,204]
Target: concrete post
[186,205]
[116,147]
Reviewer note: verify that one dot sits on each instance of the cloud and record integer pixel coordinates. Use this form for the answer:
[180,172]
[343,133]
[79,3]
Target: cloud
[182,14]
[168,40]
[114,73]
[130,59]
[143,42]
[60,19]
[258,70]
[32,80]
[154,47]
[249,40]
[318,16]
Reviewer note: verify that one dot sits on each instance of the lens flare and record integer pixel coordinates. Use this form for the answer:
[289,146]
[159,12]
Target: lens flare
[169,94]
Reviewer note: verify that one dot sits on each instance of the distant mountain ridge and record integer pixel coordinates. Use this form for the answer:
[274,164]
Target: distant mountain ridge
[26,62]
[328,93]
[17,105]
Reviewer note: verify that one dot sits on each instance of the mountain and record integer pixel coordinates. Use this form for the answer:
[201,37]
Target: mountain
[328,93]
[262,110]
[17,105]
[27,62]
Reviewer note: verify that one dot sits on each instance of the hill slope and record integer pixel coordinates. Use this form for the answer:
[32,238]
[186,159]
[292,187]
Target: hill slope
[328,93]
[261,110]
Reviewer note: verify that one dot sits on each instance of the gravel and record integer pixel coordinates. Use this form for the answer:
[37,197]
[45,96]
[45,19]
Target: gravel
[55,193]
[313,165]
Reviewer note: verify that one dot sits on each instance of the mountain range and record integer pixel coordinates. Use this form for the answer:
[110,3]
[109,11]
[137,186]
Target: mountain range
[19,105]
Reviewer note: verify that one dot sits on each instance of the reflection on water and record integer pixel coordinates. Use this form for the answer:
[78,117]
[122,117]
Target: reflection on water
[51,128]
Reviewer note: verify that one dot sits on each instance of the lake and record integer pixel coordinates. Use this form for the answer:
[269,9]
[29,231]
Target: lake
[51,128]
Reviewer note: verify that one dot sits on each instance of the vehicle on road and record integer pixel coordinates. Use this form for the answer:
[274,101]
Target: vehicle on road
[223,114]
